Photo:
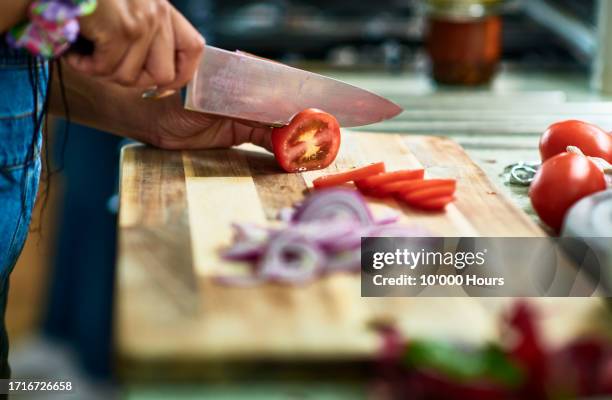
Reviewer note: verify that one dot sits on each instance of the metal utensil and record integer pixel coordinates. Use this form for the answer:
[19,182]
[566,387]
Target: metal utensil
[243,86]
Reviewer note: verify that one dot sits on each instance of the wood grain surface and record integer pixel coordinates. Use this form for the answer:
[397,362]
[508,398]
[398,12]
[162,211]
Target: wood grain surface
[175,215]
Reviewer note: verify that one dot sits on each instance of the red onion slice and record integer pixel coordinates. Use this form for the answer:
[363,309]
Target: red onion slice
[291,258]
[325,233]
[244,251]
[333,204]
[322,235]
[286,214]
[350,241]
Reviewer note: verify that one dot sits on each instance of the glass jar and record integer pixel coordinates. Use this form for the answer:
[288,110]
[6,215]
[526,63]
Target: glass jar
[464,40]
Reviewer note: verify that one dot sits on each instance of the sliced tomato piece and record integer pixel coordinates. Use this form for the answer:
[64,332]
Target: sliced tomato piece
[311,141]
[426,183]
[433,204]
[349,176]
[429,193]
[392,188]
[375,181]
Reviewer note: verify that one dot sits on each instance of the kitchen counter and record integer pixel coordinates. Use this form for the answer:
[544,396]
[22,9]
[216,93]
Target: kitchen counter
[497,126]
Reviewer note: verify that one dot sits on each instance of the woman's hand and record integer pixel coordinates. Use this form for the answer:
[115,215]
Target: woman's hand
[140,43]
[163,123]
[174,128]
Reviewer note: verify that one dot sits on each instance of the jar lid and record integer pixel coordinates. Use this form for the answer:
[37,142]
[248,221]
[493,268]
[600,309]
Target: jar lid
[464,8]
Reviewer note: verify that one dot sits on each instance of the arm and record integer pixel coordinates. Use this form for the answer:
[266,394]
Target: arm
[163,123]
[12,12]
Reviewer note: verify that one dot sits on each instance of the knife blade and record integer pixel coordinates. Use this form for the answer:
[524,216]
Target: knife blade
[243,86]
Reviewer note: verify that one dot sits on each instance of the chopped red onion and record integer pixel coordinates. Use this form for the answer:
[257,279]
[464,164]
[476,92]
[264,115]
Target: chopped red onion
[291,258]
[244,251]
[333,204]
[322,235]
[286,214]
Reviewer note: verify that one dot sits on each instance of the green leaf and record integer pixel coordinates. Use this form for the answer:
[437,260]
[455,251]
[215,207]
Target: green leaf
[464,365]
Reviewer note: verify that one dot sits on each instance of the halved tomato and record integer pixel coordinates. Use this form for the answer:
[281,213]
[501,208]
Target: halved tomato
[311,141]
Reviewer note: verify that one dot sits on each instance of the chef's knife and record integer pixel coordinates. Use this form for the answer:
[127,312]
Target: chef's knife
[243,86]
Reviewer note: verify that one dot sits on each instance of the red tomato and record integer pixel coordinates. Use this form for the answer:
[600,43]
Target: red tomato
[373,182]
[311,141]
[592,140]
[434,204]
[560,182]
[392,188]
[348,176]
[427,183]
[429,193]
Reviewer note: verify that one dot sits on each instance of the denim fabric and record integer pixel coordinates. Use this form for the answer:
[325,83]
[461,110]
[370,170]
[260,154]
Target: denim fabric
[19,165]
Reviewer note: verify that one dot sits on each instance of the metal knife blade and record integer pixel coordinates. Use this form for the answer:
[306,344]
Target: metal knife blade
[239,85]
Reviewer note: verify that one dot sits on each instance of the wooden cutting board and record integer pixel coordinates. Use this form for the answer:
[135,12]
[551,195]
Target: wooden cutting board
[175,215]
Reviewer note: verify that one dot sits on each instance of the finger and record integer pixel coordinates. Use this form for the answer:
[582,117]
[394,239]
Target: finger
[189,47]
[243,133]
[160,64]
[131,67]
[133,64]
[262,137]
[107,58]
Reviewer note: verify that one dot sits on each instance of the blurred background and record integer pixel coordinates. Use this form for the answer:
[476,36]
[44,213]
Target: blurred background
[491,74]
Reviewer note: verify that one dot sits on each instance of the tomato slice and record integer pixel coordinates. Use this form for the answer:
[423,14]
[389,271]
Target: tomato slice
[415,185]
[376,181]
[311,141]
[429,193]
[349,176]
[391,188]
[433,204]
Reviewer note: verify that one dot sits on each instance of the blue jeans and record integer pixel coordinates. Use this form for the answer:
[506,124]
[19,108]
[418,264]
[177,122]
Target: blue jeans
[20,164]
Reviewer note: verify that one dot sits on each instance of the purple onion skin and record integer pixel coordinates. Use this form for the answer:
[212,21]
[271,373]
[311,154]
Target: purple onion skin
[327,205]
[274,267]
[244,251]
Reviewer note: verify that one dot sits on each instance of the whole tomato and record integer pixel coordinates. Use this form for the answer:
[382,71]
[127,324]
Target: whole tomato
[591,139]
[560,182]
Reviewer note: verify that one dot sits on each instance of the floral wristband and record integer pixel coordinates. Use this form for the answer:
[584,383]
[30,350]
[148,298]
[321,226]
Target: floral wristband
[52,27]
